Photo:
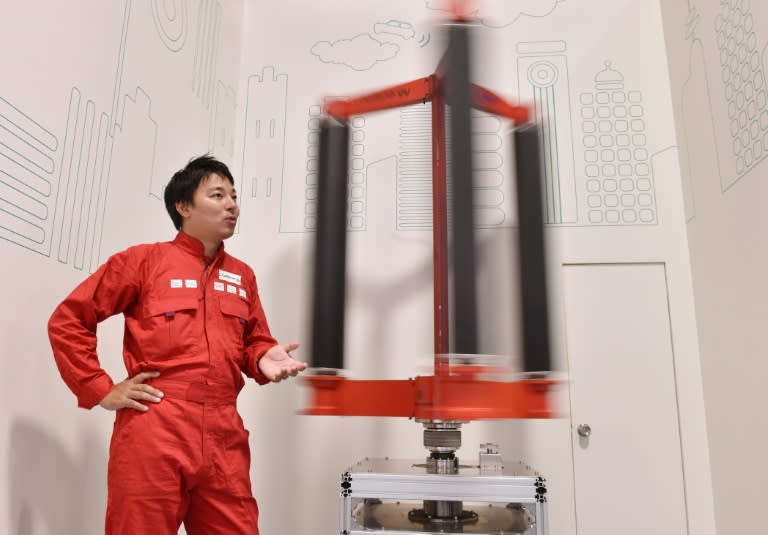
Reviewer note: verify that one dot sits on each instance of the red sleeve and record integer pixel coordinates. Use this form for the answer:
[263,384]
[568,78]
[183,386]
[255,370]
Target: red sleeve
[258,339]
[72,326]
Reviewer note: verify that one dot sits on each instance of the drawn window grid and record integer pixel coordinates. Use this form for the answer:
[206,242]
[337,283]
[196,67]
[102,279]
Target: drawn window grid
[619,183]
[356,189]
[744,84]
[356,179]
[265,131]
[414,180]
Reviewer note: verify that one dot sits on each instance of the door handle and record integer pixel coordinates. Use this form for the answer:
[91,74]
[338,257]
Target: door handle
[584,430]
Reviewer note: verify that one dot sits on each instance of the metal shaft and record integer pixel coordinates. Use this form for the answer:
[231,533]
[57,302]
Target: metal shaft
[442,439]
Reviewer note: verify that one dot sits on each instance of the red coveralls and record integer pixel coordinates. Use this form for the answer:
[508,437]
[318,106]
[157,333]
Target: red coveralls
[199,322]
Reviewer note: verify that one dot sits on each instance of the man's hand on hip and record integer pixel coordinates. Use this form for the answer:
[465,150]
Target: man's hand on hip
[126,395]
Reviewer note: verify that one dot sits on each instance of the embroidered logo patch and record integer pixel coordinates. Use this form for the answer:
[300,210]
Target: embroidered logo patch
[231,289]
[229,277]
[242,294]
[218,286]
[176,283]
[190,283]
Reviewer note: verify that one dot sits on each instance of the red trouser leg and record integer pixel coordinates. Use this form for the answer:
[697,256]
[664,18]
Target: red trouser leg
[222,502]
[149,457]
[180,461]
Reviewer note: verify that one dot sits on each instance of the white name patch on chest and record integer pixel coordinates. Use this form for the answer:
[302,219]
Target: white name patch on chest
[231,289]
[218,286]
[176,283]
[229,277]
[190,283]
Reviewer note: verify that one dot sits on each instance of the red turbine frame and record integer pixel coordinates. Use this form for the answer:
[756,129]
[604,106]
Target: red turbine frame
[453,393]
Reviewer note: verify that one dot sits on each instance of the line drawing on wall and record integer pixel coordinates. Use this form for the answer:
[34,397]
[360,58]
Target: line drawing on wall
[726,84]
[206,49]
[366,49]
[359,53]
[65,219]
[86,171]
[665,163]
[120,65]
[221,138]
[381,177]
[54,180]
[543,78]
[171,22]
[743,88]
[137,114]
[263,161]
[619,182]
[79,181]
[401,29]
[488,174]
[356,176]
[504,12]
[357,197]
[696,103]
[54,186]
[397,28]
[313,159]
[414,169]
[27,152]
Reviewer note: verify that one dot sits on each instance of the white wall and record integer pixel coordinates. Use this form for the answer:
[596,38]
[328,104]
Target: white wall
[169,86]
[100,102]
[717,59]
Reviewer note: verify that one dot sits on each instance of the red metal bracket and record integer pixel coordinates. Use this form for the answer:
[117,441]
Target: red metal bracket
[490,102]
[391,97]
[459,396]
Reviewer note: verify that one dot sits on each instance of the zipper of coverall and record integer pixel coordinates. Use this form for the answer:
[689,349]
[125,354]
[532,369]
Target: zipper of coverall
[204,286]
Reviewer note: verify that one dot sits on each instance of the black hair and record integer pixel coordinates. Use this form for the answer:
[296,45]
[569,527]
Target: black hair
[184,183]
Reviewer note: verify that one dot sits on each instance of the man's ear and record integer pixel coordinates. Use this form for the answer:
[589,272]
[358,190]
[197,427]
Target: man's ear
[183,208]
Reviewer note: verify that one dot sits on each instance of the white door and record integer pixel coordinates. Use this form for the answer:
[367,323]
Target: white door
[628,474]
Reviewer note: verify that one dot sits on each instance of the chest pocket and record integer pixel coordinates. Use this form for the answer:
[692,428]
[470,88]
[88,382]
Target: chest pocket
[234,315]
[174,325]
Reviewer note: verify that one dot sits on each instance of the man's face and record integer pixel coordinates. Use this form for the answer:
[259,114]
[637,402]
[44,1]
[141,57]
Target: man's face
[212,215]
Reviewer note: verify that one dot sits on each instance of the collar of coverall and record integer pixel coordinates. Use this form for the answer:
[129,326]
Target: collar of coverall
[195,247]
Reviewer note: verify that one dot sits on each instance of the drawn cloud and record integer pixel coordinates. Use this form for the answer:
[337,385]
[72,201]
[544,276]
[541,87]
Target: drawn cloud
[359,53]
[500,13]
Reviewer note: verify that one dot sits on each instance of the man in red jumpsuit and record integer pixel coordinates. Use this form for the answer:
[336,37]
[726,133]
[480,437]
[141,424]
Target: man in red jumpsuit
[193,326]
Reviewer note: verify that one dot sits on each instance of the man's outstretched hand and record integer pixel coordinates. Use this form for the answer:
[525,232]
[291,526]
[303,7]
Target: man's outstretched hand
[277,363]
[129,393]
